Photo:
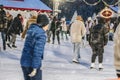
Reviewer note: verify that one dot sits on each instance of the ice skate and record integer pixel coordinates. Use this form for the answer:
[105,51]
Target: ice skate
[92,66]
[100,67]
[9,45]
[75,61]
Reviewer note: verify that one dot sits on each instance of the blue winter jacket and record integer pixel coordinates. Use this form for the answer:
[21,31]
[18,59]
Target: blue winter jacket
[33,50]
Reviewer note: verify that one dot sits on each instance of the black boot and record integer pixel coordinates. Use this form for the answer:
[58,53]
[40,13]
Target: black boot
[53,42]
[9,45]
[58,42]
[14,46]
[118,75]
[4,47]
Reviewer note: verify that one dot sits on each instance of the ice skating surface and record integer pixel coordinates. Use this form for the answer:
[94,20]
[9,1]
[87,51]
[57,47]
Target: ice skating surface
[57,63]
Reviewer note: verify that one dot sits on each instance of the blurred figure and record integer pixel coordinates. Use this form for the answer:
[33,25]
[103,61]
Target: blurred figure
[25,19]
[98,39]
[9,22]
[55,28]
[32,54]
[116,22]
[15,29]
[64,28]
[49,32]
[111,32]
[77,31]
[29,22]
[3,25]
[117,50]
[89,24]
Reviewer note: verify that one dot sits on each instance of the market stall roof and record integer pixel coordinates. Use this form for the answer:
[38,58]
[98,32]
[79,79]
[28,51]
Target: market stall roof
[36,5]
[114,8]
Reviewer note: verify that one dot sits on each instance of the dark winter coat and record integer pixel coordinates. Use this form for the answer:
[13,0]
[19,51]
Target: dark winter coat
[9,21]
[16,26]
[2,16]
[33,50]
[103,33]
[2,20]
[55,26]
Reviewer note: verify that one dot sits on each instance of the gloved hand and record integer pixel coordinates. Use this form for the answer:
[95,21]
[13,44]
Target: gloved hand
[33,73]
[57,29]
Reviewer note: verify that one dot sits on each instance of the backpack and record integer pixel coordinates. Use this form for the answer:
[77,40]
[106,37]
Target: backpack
[96,35]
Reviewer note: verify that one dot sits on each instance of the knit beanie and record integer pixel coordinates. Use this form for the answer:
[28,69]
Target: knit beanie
[42,19]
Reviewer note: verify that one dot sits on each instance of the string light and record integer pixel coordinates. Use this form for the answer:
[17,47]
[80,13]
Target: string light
[99,2]
[93,3]
[111,4]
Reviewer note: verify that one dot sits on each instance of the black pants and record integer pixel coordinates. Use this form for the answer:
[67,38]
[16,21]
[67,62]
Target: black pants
[28,70]
[48,36]
[97,51]
[57,34]
[87,37]
[118,75]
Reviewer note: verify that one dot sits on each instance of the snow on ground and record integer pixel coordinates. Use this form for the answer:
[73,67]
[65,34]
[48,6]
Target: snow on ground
[57,63]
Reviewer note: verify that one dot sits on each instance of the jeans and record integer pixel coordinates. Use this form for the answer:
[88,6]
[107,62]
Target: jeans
[28,70]
[13,39]
[76,51]
[64,32]
[3,34]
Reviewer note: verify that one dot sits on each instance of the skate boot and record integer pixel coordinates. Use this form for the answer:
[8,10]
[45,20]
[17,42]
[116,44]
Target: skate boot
[75,61]
[92,66]
[9,45]
[100,67]
[53,42]
[14,46]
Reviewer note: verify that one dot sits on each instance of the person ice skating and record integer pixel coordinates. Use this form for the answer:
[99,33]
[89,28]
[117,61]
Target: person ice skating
[3,26]
[9,22]
[55,28]
[77,31]
[15,29]
[30,21]
[89,23]
[117,50]
[32,54]
[64,28]
[98,39]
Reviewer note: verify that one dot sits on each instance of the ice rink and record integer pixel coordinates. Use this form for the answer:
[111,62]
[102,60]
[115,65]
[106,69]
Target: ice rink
[57,63]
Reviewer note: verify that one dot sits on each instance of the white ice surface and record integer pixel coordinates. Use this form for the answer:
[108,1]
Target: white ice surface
[57,63]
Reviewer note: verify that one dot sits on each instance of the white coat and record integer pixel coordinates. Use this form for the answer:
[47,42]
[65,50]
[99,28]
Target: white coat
[117,48]
[77,31]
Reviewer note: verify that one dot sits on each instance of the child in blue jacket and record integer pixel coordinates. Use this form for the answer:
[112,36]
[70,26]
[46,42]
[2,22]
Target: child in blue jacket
[33,49]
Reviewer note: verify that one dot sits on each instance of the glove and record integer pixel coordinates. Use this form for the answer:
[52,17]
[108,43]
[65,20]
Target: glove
[57,29]
[33,73]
